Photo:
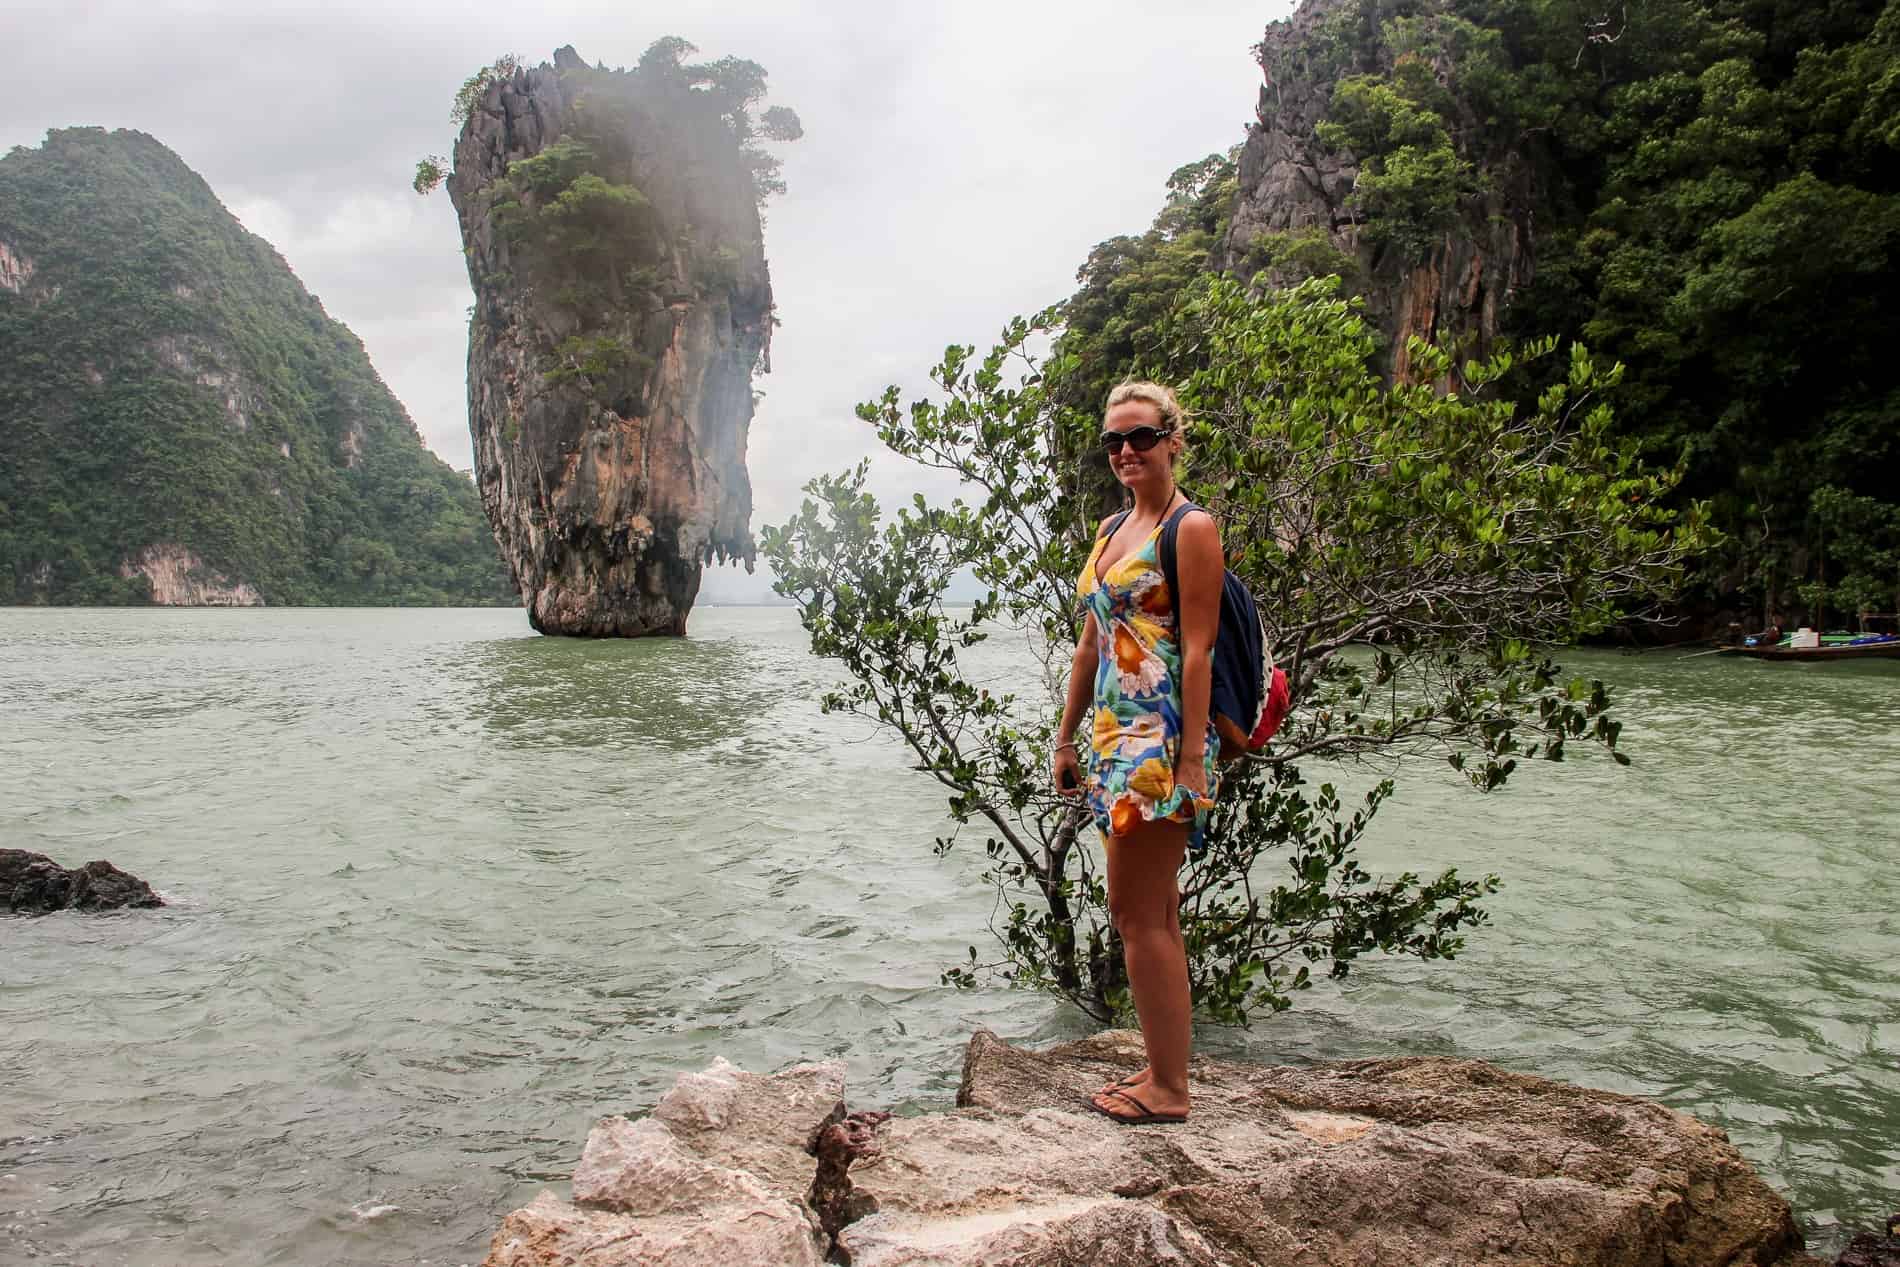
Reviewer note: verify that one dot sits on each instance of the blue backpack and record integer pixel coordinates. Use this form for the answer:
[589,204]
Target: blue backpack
[1251,694]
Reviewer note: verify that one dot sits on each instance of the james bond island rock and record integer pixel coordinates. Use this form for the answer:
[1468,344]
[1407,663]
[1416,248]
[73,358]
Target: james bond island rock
[180,422]
[1433,251]
[622,305]
[1416,1161]
[33,884]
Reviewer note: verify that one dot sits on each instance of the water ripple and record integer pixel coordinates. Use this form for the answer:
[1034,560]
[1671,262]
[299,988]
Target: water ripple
[444,892]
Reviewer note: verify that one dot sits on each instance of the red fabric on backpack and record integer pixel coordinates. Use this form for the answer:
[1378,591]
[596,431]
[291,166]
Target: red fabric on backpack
[1273,711]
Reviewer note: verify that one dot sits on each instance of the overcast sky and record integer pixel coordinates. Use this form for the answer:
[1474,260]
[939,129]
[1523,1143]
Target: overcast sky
[958,163]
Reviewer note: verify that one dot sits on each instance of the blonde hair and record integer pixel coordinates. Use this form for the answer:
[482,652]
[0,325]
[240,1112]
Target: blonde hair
[1161,396]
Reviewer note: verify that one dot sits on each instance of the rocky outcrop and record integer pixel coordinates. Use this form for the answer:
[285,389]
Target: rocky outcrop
[1415,1161]
[622,305]
[717,1174]
[1871,1249]
[16,269]
[1294,194]
[206,367]
[180,578]
[33,884]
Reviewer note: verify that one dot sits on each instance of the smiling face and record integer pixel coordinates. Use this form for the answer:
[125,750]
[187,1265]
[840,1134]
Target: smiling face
[1135,469]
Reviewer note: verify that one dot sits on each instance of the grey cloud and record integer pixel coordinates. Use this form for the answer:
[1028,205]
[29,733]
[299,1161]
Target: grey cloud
[958,163]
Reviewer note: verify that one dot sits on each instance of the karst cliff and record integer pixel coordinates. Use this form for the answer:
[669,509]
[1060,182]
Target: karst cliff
[1444,274]
[1646,182]
[611,226]
[181,422]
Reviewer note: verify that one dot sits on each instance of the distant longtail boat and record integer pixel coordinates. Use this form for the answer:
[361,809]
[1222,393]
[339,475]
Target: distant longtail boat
[1832,647]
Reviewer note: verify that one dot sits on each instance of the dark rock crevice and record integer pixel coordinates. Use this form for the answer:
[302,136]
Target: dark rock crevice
[841,1139]
[1871,1249]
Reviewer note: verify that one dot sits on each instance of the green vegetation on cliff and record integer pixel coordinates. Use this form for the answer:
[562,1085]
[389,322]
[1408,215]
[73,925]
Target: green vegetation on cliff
[607,257]
[1713,188]
[167,384]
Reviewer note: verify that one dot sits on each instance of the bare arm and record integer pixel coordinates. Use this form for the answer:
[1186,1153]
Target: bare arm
[1081,682]
[1081,689]
[1199,566]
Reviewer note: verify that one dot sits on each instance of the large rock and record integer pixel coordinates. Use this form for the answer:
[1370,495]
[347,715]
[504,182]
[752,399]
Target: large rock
[717,1174]
[622,305]
[183,424]
[1416,1161]
[33,884]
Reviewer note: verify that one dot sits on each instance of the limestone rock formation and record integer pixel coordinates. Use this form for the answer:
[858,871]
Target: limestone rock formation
[622,304]
[1293,187]
[179,578]
[16,270]
[1415,1161]
[183,423]
[33,884]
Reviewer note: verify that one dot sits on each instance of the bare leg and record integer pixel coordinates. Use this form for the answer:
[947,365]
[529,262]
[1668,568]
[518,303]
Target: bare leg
[1144,903]
[1140,1078]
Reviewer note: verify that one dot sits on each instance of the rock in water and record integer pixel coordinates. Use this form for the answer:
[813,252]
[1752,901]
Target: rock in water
[611,225]
[33,884]
[1414,1161]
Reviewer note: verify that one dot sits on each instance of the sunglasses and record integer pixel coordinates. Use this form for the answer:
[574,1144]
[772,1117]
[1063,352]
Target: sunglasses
[1140,439]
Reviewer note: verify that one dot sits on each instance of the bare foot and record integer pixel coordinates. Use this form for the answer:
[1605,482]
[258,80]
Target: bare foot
[1148,1102]
[1132,1081]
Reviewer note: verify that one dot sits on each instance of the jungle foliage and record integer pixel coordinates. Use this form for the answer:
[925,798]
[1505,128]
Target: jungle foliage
[727,91]
[165,379]
[1715,186]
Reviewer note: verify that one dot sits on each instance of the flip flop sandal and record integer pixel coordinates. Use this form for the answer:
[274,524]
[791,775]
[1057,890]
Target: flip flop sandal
[1148,1116]
[1119,1085]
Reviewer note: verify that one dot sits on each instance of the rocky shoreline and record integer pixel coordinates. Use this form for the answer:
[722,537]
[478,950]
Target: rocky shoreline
[1414,1161]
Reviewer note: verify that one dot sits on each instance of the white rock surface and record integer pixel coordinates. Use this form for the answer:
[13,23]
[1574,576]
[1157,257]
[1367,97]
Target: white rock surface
[180,579]
[1414,1162]
[640,1168]
[716,1176]
[550,1232]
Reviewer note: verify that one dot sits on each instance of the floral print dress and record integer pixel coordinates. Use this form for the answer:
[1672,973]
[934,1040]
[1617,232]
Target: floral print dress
[1137,731]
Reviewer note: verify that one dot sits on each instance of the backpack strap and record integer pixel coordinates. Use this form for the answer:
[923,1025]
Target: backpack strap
[1167,550]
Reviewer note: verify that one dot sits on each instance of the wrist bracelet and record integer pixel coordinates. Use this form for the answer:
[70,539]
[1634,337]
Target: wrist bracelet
[1067,743]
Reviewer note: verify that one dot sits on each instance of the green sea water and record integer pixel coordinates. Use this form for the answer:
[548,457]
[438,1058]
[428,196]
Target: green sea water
[443,892]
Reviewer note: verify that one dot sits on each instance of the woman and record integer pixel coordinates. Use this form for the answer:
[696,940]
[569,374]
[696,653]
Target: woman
[1145,661]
